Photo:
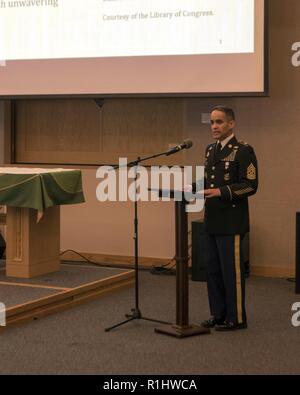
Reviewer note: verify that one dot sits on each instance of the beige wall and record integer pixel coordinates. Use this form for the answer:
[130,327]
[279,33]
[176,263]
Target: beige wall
[270,124]
[108,228]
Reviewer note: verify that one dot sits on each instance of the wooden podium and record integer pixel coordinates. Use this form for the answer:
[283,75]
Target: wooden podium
[182,328]
[32,248]
[33,198]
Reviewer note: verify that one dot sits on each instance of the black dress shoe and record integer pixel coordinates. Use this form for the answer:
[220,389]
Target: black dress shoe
[230,326]
[211,322]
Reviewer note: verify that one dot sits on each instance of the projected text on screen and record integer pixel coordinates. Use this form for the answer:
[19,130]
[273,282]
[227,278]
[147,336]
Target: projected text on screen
[61,29]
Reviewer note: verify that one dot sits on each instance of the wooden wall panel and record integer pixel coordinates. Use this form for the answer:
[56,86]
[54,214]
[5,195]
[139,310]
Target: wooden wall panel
[80,132]
[145,126]
[6,109]
[57,131]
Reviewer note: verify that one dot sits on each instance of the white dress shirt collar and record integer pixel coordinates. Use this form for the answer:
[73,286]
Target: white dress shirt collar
[226,141]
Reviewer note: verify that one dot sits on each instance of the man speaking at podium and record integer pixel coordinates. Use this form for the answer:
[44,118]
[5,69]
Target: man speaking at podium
[230,178]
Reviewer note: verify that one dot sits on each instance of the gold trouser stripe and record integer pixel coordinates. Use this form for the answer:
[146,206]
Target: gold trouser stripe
[238,278]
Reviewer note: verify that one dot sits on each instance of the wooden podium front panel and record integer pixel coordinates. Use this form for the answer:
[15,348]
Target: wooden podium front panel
[32,248]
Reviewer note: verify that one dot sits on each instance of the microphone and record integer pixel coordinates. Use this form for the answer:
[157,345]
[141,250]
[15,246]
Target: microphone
[185,145]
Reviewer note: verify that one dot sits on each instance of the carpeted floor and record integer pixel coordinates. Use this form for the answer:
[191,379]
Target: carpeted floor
[74,341]
[13,291]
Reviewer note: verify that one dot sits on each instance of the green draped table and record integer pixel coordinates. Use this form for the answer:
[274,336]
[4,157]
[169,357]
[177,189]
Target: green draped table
[33,198]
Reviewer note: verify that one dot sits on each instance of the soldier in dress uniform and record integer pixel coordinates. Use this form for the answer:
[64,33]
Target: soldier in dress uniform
[230,178]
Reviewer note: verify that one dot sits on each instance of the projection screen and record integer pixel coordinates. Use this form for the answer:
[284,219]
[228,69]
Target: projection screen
[132,47]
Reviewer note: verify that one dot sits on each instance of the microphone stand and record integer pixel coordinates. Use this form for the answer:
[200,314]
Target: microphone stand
[136,312]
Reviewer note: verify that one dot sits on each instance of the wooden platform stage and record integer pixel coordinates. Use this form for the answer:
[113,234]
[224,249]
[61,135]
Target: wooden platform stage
[74,284]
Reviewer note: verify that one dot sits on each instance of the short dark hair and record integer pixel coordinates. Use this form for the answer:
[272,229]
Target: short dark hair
[226,110]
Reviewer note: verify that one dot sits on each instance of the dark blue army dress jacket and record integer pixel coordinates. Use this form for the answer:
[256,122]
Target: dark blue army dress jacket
[234,171]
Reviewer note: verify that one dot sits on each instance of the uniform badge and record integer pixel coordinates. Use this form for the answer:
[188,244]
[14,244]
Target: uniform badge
[230,146]
[227,177]
[226,165]
[251,172]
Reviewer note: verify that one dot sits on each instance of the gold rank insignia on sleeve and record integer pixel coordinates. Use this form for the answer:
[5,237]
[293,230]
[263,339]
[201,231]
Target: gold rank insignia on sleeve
[251,172]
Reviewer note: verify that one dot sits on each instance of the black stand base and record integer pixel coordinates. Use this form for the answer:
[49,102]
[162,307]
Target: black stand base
[180,332]
[136,315]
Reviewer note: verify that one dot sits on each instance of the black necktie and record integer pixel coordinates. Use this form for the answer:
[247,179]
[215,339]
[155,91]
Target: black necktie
[218,148]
